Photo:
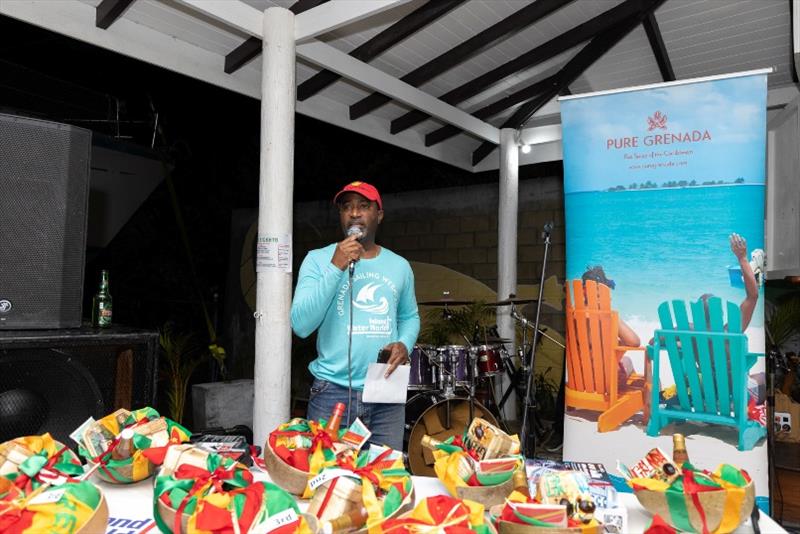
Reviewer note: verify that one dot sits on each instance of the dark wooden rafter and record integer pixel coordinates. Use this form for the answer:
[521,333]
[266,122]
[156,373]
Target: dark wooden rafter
[569,39]
[531,91]
[475,44]
[397,32]
[243,53]
[108,11]
[251,48]
[659,49]
[569,73]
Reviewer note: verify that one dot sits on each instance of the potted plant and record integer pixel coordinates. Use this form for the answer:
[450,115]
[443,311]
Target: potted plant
[182,353]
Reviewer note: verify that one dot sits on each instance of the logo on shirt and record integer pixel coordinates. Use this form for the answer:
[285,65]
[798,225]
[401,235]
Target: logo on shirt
[365,300]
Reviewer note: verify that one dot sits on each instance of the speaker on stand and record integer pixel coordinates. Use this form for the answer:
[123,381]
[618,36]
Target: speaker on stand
[44,190]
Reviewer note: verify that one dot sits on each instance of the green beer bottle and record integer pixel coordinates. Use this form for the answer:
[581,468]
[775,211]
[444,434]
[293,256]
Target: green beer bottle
[101,304]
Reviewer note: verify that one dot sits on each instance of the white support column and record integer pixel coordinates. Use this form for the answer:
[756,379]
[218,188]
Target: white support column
[507,246]
[273,370]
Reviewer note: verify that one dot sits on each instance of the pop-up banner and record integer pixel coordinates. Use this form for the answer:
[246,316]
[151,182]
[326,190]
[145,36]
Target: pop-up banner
[664,201]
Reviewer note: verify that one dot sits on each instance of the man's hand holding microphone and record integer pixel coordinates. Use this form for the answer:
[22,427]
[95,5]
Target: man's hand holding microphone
[349,250]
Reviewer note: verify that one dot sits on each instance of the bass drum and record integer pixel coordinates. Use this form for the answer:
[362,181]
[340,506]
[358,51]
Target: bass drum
[428,414]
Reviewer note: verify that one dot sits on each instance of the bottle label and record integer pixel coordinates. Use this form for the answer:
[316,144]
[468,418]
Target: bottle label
[104,314]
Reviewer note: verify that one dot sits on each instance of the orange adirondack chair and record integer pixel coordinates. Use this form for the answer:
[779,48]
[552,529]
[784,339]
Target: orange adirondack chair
[593,356]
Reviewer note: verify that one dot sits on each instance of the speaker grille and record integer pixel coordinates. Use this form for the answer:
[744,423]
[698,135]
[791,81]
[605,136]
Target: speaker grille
[44,184]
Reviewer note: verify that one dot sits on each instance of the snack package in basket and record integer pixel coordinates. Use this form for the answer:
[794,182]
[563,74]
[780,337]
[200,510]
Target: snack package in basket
[77,507]
[200,492]
[366,487]
[31,461]
[699,501]
[128,445]
[457,465]
[488,441]
[440,513]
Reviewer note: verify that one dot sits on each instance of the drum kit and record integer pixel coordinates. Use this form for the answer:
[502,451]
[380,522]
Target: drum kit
[449,385]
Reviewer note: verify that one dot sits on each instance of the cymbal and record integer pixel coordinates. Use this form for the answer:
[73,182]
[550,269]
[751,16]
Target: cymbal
[509,302]
[446,302]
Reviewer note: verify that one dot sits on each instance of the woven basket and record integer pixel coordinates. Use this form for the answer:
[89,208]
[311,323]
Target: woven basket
[98,522]
[488,496]
[507,527]
[712,502]
[284,475]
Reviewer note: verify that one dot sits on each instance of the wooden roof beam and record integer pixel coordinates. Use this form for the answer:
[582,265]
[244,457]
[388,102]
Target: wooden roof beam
[397,32]
[444,62]
[659,48]
[569,73]
[251,48]
[531,91]
[108,11]
[571,38]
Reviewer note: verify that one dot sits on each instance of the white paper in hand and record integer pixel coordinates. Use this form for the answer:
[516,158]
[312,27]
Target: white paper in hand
[392,390]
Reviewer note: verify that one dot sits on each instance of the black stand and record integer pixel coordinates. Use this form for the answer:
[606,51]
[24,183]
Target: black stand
[528,435]
[774,359]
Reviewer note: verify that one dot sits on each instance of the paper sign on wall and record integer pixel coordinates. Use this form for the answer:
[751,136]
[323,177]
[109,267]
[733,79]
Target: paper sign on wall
[274,253]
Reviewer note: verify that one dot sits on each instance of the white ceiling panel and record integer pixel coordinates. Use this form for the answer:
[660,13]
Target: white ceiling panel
[702,37]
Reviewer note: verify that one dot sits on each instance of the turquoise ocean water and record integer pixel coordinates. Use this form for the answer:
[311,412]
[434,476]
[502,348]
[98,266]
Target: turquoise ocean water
[664,244]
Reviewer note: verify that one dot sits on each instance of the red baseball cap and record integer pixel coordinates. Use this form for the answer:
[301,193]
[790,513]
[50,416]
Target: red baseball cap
[362,188]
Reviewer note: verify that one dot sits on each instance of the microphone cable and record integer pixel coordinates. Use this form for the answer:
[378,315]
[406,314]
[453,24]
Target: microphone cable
[353,230]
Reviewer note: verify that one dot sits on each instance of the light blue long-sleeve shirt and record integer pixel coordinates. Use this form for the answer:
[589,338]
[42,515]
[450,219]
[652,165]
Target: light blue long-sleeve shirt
[384,311]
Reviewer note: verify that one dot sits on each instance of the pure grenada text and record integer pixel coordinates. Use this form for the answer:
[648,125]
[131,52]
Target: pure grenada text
[695,136]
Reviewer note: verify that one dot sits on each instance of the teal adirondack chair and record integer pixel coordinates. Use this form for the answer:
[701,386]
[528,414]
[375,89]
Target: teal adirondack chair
[710,365]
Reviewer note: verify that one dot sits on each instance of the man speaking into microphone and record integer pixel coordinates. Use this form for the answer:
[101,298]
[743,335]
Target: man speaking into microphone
[384,314]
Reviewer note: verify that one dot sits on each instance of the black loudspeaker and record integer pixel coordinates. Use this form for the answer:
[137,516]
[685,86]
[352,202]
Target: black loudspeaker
[53,380]
[44,190]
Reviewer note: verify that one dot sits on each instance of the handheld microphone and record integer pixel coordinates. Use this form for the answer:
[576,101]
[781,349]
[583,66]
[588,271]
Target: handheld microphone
[356,231]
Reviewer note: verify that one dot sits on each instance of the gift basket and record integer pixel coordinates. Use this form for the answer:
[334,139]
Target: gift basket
[197,491]
[42,489]
[561,502]
[301,448]
[483,465]
[689,499]
[126,445]
[361,490]
[441,513]
[75,507]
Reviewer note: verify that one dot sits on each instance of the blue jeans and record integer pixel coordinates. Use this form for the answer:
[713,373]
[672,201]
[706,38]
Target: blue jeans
[385,421]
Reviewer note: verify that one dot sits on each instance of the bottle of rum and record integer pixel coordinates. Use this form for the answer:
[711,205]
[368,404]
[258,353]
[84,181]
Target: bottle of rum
[101,304]
[679,454]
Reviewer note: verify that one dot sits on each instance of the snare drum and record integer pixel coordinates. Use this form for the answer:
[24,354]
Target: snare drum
[490,361]
[423,374]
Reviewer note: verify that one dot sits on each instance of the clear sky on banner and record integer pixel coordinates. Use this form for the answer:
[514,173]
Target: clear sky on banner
[611,132]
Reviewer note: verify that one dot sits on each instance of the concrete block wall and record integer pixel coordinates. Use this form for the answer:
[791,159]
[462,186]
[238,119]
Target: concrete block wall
[456,227]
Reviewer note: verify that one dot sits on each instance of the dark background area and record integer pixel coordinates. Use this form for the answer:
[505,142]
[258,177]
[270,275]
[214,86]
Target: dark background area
[210,139]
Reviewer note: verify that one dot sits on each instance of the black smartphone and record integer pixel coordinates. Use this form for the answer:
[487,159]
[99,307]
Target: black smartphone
[383,355]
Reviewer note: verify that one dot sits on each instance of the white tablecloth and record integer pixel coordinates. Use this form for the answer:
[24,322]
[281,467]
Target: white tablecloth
[131,507]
